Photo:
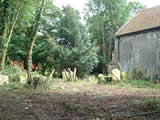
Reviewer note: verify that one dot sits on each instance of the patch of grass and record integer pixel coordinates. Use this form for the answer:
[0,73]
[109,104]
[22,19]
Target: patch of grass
[138,84]
[77,107]
[142,84]
[151,104]
[12,86]
[12,70]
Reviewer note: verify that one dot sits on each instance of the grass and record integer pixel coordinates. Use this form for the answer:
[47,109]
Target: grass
[12,86]
[80,98]
[151,104]
[139,84]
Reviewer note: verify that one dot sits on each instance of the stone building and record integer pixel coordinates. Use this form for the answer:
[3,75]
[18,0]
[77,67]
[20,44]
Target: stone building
[138,42]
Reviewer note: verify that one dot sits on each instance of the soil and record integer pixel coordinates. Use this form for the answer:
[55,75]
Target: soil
[78,101]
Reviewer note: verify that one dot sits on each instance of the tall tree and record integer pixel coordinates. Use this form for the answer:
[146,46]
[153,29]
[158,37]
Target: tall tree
[34,30]
[4,39]
[135,7]
[4,19]
[76,49]
[67,46]
[104,17]
[18,48]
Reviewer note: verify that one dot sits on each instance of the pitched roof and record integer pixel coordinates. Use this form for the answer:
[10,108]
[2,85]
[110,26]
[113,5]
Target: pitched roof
[144,20]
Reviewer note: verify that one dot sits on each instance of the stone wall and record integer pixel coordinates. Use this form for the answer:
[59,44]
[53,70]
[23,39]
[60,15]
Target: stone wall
[139,50]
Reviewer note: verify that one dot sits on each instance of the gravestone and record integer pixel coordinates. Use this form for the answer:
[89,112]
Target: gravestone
[114,68]
[4,80]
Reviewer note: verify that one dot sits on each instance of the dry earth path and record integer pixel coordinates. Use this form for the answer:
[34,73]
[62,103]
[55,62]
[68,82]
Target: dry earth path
[77,101]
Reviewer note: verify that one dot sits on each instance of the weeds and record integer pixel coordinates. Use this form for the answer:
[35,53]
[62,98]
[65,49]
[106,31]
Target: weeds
[12,86]
[150,104]
[138,84]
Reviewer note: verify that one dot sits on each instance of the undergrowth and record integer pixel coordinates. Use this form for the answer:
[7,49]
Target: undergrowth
[12,86]
[142,84]
[150,104]
[12,70]
[139,84]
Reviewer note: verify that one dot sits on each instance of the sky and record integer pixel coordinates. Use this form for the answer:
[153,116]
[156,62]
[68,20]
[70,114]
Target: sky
[79,4]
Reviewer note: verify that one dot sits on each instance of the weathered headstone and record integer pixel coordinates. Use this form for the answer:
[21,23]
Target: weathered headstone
[4,80]
[114,68]
[22,78]
[116,75]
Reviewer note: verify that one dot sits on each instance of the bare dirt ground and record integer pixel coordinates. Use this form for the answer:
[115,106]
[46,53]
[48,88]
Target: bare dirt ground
[77,101]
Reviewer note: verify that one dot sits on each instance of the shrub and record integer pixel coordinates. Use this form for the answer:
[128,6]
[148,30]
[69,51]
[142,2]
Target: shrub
[148,75]
[12,70]
[126,76]
[138,74]
[12,86]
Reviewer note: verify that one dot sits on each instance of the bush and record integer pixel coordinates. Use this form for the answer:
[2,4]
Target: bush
[148,75]
[126,76]
[138,74]
[12,70]
[15,74]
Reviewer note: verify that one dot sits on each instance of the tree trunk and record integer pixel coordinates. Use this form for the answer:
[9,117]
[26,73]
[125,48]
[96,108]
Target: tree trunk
[25,63]
[110,49]
[4,25]
[5,46]
[4,19]
[33,39]
[104,48]
[104,43]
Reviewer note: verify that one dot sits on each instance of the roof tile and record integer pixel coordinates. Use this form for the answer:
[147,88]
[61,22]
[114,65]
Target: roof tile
[144,20]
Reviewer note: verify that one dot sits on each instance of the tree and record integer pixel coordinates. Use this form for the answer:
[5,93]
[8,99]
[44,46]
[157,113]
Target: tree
[135,7]
[35,28]
[71,46]
[104,18]
[6,42]
[4,19]
[18,47]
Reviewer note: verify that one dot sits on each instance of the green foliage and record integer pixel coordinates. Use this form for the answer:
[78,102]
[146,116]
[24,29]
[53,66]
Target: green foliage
[12,70]
[12,86]
[63,41]
[126,76]
[72,48]
[152,104]
[148,75]
[138,74]
[138,84]
[104,18]
[135,7]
